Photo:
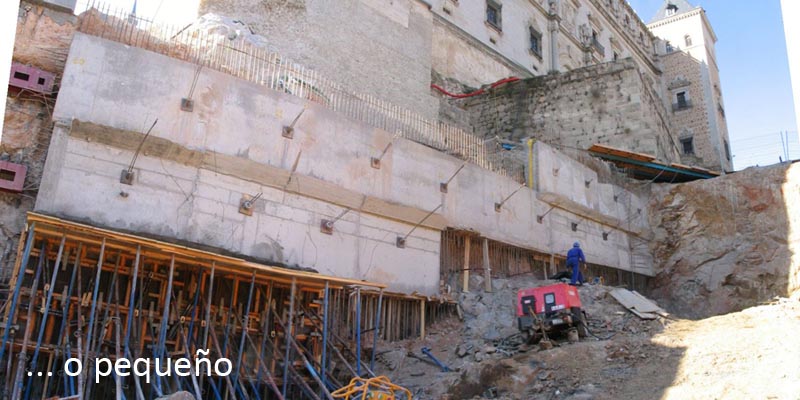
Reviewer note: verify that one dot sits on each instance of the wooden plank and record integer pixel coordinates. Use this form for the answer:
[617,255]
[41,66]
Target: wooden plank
[602,149]
[487,268]
[206,256]
[637,304]
[465,284]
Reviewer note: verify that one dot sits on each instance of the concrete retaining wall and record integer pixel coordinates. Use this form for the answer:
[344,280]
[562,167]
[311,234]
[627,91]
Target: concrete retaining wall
[196,167]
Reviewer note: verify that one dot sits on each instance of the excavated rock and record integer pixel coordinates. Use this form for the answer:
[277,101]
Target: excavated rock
[725,244]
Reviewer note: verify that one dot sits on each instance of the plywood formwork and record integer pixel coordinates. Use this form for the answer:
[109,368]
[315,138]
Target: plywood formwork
[85,292]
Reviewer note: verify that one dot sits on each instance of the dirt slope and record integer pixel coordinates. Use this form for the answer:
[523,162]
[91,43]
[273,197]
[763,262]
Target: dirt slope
[745,355]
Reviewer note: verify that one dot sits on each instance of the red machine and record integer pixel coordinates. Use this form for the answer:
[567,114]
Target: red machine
[549,310]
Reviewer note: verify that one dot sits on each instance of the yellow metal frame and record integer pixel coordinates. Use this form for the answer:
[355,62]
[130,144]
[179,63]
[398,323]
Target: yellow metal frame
[377,388]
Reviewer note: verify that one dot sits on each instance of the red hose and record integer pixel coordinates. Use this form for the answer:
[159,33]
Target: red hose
[475,93]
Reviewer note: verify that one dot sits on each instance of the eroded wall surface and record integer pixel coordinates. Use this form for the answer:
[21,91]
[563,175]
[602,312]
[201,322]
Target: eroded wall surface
[728,243]
[196,167]
[607,104]
[42,40]
[374,47]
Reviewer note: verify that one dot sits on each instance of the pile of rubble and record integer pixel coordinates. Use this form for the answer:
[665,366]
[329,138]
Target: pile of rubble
[485,356]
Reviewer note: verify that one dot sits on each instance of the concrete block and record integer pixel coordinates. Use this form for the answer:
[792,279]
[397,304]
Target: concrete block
[12,176]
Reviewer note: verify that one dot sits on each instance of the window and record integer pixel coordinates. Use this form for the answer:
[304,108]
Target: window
[688,40]
[596,43]
[493,13]
[669,47]
[616,56]
[687,144]
[536,42]
[672,9]
[682,103]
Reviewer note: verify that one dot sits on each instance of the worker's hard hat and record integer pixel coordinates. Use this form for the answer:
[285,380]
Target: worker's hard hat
[576,244]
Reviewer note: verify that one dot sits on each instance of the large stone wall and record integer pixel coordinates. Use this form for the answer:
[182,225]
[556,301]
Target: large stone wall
[728,243]
[373,47]
[196,167]
[608,104]
[683,74]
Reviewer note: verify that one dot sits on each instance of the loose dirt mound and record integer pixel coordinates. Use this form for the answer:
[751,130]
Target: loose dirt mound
[750,354]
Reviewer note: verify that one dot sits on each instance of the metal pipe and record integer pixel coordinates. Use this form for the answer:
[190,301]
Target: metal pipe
[215,341]
[160,346]
[50,289]
[287,331]
[63,335]
[260,362]
[358,331]
[190,334]
[245,324]
[94,305]
[208,304]
[23,354]
[376,333]
[17,286]
[131,301]
[105,321]
[324,363]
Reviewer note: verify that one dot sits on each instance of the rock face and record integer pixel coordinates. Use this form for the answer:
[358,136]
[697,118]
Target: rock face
[725,244]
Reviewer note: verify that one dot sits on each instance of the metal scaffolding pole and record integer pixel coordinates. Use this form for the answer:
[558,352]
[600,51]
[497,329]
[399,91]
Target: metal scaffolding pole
[358,331]
[17,287]
[375,334]
[162,336]
[324,363]
[288,333]
[45,314]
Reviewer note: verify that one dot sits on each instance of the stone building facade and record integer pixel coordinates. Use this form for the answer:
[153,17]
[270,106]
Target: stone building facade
[692,85]
[610,104]
[395,50]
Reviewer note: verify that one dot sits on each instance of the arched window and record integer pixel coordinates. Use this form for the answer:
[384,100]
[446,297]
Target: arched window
[688,40]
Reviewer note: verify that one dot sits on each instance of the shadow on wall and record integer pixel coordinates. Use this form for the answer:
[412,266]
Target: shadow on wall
[728,243]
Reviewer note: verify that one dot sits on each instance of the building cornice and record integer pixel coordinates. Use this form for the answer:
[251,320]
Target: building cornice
[624,35]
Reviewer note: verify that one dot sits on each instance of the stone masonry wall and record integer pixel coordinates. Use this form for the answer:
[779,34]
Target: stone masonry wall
[725,244]
[368,46]
[607,104]
[682,74]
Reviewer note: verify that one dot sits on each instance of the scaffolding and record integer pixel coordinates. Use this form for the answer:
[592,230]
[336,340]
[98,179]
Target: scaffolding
[83,292]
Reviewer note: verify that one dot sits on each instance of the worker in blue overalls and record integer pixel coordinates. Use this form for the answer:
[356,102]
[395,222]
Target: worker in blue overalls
[574,259]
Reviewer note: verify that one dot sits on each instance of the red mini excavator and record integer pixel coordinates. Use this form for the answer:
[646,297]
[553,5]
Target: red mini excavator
[550,310]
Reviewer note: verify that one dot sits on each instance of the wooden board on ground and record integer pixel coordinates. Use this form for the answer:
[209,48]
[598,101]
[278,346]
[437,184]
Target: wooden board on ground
[638,304]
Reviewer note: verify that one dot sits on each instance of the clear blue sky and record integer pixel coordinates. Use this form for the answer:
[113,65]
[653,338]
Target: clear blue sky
[756,88]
